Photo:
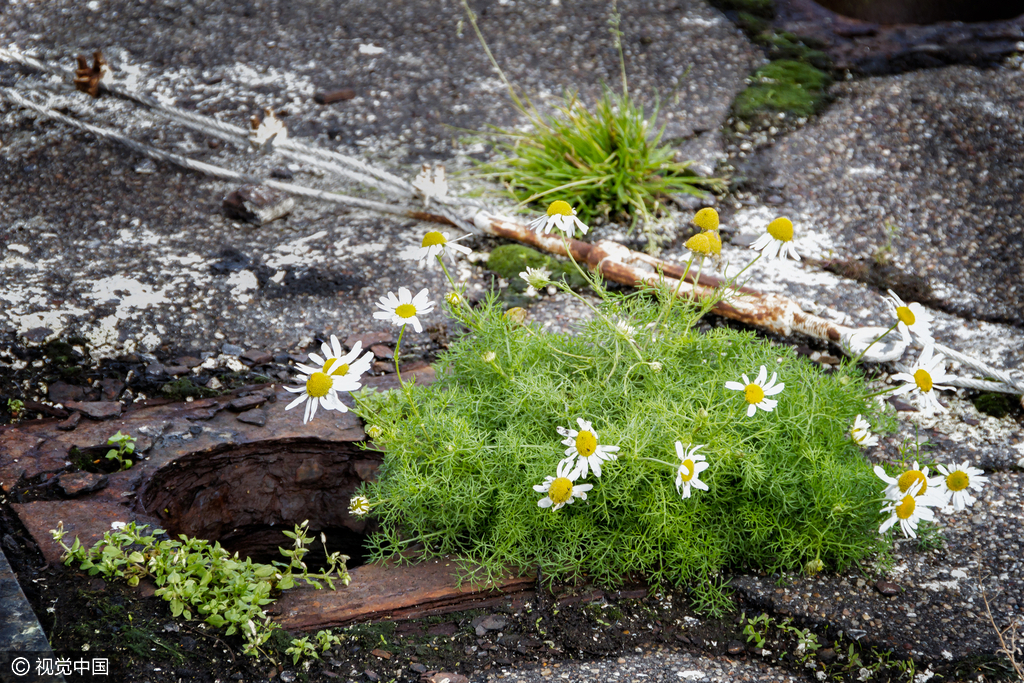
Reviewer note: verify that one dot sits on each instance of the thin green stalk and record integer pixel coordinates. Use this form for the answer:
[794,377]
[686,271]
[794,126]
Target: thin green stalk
[671,302]
[494,62]
[878,339]
[401,383]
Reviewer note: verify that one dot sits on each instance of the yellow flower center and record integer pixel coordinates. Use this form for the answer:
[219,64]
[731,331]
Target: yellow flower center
[405,311]
[781,229]
[705,243]
[686,470]
[906,508]
[857,435]
[706,219]
[957,481]
[560,490]
[341,370]
[433,238]
[318,384]
[586,444]
[754,393]
[923,380]
[560,207]
[905,315]
[911,477]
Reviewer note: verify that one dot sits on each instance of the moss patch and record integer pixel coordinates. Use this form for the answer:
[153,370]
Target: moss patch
[180,389]
[784,85]
[994,404]
[758,8]
[509,260]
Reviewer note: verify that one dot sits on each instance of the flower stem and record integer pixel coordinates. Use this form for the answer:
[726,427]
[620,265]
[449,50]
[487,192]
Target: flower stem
[675,294]
[405,389]
[600,292]
[880,337]
[660,462]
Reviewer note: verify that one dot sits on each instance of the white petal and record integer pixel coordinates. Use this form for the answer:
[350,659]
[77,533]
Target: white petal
[545,503]
[761,376]
[735,386]
[751,409]
[297,401]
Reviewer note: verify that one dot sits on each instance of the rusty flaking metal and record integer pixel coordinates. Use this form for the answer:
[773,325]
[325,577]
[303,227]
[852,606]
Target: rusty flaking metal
[618,263]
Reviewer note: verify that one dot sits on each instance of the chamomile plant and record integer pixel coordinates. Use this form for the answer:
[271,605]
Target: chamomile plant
[621,449]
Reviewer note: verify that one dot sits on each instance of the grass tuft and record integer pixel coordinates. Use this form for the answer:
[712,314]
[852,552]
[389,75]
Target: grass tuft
[607,162]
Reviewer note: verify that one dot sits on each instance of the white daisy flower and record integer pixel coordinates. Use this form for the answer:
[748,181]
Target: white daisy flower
[359,506]
[117,526]
[955,482]
[778,240]
[912,318]
[908,511]
[860,433]
[341,367]
[268,132]
[926,376]
[431,183]
[561,489]
[404,308]
[688,474]
[757,392]
[914,478]
[625,329]
[538,278]
[583,445]
[560,216]
[321,389]
[434,243]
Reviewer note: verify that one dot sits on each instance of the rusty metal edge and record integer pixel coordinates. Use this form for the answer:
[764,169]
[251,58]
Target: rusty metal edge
[620,264]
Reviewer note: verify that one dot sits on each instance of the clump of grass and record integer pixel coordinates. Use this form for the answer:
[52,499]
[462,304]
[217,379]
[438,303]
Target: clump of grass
[785,487]
[608,160]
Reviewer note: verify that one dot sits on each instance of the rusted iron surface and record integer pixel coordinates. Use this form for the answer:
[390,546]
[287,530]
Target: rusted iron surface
[617,263]
[391,591]
[205,471]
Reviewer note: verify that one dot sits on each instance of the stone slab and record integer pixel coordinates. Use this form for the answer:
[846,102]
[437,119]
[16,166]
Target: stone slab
[395,591]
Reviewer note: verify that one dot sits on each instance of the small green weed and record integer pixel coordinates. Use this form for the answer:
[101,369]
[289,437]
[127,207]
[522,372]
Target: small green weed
[16,407]
[200,579]
[124,451]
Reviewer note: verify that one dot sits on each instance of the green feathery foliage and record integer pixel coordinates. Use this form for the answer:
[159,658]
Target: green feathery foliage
[786,488]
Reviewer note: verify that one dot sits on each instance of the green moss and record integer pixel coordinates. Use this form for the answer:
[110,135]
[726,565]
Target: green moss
[752,24]
[994,404]
[784,85]
[509,260]
[758,8]
[788,46]
[180,389]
